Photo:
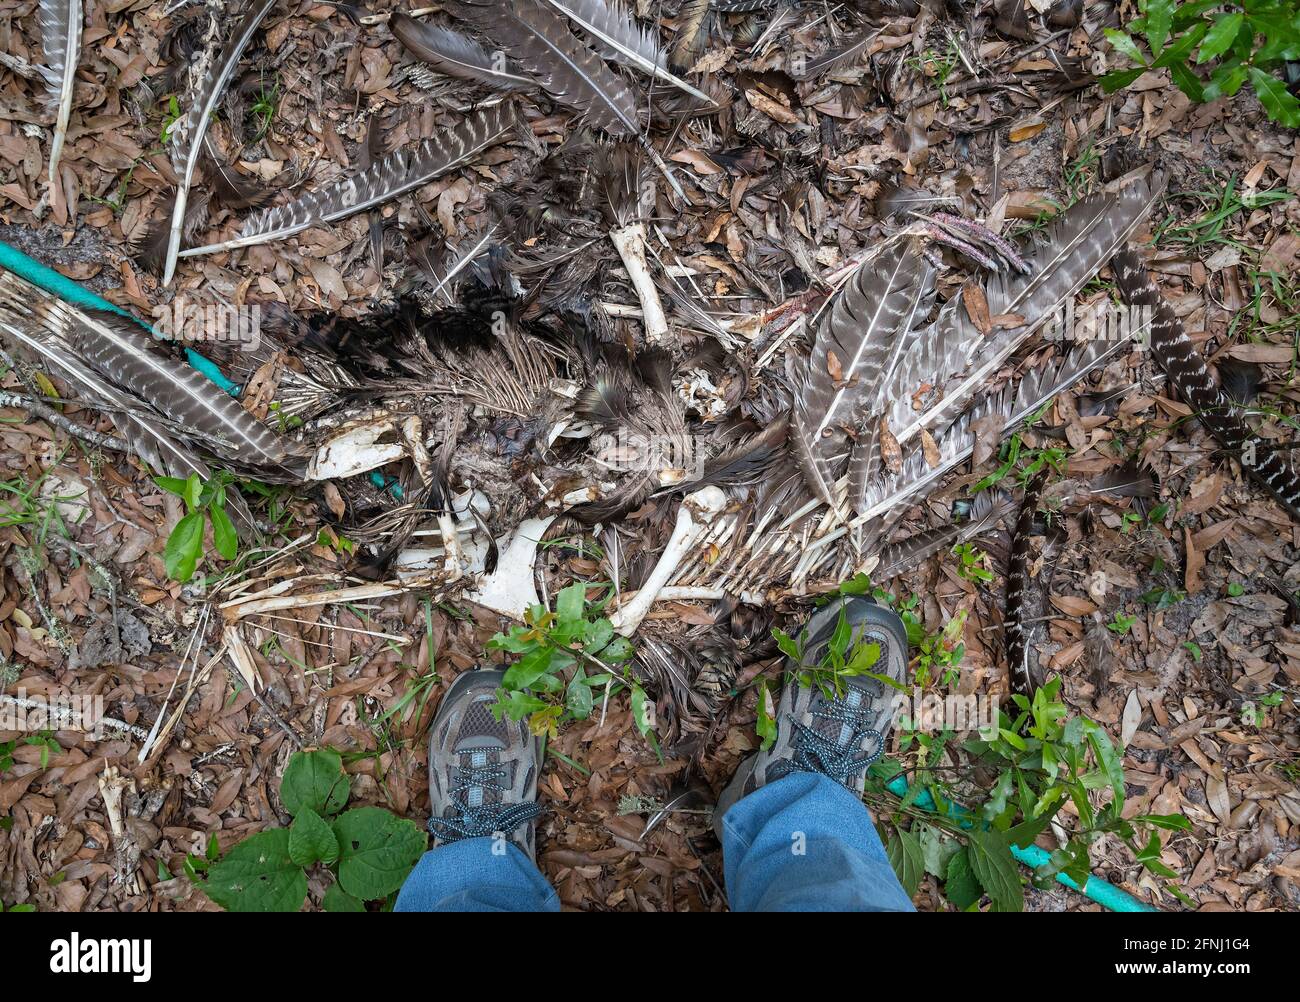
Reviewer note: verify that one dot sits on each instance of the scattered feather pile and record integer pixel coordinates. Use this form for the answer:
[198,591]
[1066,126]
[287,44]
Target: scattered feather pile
[167,410]
[503,384]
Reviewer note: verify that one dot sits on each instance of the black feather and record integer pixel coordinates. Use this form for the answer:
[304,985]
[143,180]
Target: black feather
[1185,366]
[1025,676]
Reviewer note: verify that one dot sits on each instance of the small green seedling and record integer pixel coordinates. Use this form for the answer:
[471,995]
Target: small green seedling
[562,658]
[205,501]
[1121,624]
[172,116]
[843,658]
[973,563]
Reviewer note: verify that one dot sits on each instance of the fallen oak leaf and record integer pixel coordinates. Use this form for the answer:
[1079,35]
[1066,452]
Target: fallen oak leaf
[930,450]
[977,307]
[891,454]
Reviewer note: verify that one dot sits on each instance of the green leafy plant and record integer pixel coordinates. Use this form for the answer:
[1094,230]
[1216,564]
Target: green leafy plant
[1252,715]
[1121,624]
[842,659]
[44,740]
[1163,598]
[939,655]
[205,501]
[562,658]
[170,118]
[1236,43]
[937,66]
[25,504]
[263,107]
[369,850]
[1079,177]
[1216,208]
[1015,457]
[1031,764]
[972,562]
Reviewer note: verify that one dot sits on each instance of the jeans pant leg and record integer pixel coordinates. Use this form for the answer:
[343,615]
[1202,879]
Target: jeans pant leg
[467,876]
[805,843]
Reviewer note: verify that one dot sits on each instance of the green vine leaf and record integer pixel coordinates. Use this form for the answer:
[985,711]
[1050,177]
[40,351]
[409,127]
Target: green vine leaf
[904,852]
[338,900]
[311,840]
[1279,102]
[314,781]
[962,887]
[184,547]
[377,850]
[1220,36]
[258,875]
[995,868]
[224,536]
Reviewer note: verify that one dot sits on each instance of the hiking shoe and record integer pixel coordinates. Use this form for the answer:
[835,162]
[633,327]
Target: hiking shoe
[482,771]
[838,737]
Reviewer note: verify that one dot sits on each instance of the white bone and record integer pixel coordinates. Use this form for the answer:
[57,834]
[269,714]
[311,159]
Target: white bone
[355,450]
[509,589]
[630,244]
[696,513]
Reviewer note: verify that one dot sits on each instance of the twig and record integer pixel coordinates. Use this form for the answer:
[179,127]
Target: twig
[960,89]
[297,742]
[71,719]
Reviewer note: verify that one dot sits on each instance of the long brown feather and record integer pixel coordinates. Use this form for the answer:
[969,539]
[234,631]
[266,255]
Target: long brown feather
[841,57]
[622,39]
[205,101]
[391,176]
[856,349]
[544,47]
[456,55]
[691,33]
[1188,375]
[899,558]
[60,22]
[957,358]
[1024,675]
[117,349]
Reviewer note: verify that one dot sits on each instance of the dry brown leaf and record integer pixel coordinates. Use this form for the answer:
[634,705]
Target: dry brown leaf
[977,307]
[1194,563]
[1131,720]
[1073,605]
[891,455]
[930,450]
[1020,133]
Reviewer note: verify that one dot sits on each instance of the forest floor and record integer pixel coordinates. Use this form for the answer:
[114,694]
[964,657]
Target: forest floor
[1173,621]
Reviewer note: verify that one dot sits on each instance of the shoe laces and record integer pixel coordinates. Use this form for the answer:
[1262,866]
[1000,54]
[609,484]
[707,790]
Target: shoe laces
[840,760]
[480,820]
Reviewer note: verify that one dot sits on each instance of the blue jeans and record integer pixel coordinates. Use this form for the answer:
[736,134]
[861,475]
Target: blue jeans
[802,843]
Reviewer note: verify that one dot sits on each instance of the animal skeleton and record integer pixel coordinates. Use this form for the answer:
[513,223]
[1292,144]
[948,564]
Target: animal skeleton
[515,406]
